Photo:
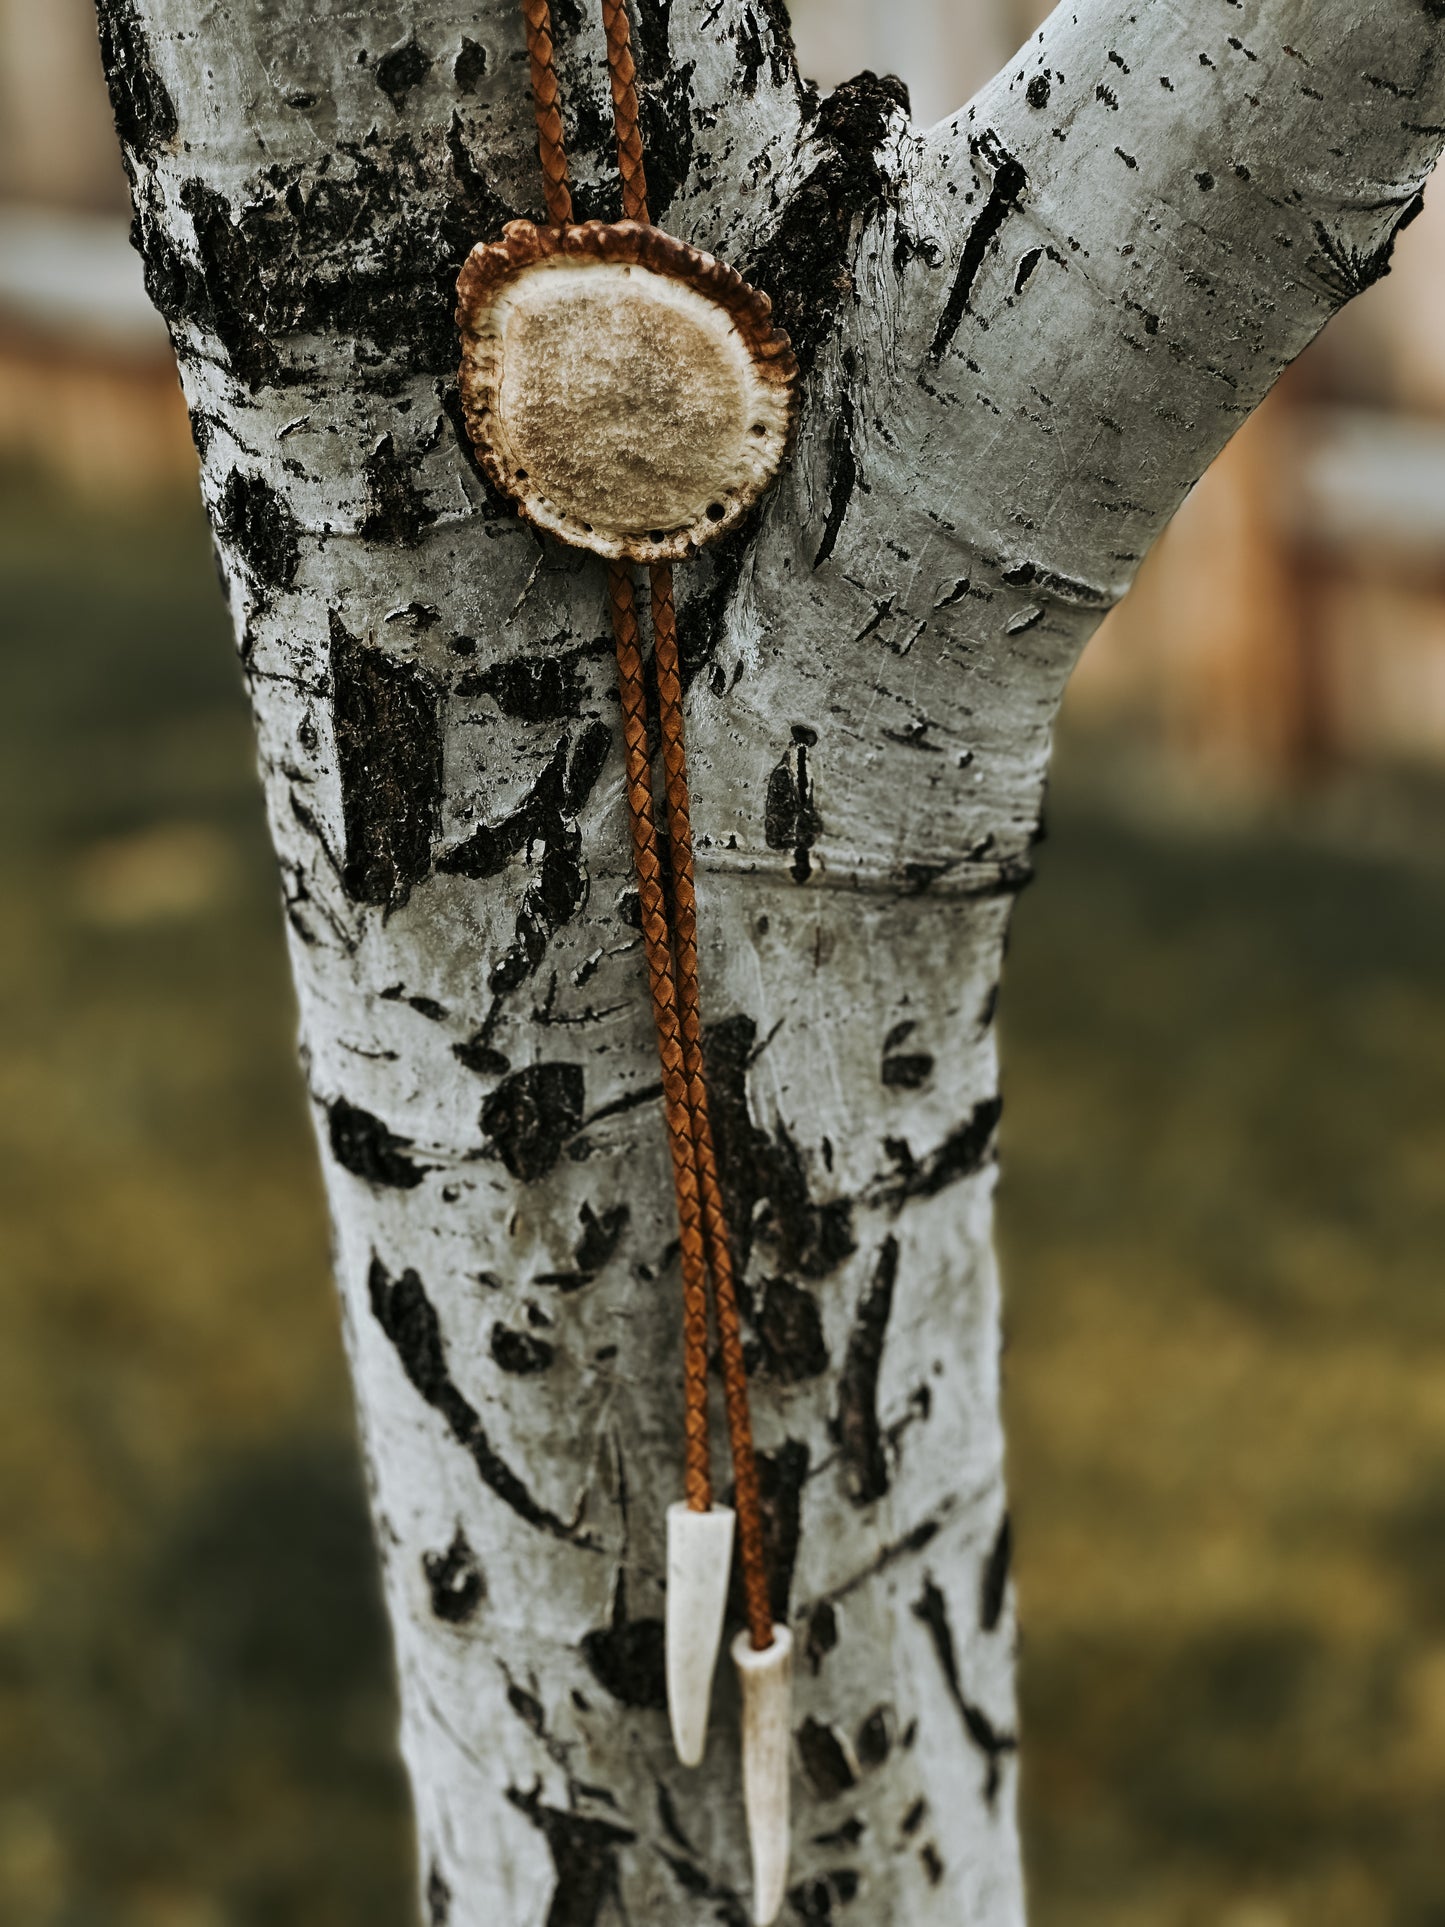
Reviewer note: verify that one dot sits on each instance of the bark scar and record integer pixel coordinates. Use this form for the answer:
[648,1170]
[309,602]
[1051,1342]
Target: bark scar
[932,1609]
[1009,182]
[859,1435]
[409,1319]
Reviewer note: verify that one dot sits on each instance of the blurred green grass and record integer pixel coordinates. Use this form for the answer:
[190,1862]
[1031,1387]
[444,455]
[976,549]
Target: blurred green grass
[1222,1225]
[1222,1221]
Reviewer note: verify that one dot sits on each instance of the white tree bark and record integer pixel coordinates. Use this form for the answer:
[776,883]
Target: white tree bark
[1024,334]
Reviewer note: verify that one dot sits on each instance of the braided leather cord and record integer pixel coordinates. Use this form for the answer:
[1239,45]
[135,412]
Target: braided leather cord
[623,75]
[670,940]
[719,1247]
[551,147]
[697,1482]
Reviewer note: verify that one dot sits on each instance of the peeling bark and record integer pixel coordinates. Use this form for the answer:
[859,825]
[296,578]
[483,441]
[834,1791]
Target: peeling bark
[1024,334]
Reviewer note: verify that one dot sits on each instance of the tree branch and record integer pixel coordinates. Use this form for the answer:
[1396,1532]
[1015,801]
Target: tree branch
[1144,220]
[1020,345]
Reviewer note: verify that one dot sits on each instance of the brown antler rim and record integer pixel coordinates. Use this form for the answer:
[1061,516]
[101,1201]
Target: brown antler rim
[628,393]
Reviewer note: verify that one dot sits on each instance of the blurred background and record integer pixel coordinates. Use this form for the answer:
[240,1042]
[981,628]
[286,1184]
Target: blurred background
[1222,1220]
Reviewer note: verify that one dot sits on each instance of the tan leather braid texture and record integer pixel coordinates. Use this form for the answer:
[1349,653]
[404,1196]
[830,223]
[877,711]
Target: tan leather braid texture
[623,75]
[683,907]
[546,96]
[697,1484]
[719,1247]
[669,928]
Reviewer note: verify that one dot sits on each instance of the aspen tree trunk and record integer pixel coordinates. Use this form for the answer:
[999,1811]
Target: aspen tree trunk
[1023,333]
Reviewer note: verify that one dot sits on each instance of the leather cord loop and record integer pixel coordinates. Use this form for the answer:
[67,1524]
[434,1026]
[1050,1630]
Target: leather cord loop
[668,912]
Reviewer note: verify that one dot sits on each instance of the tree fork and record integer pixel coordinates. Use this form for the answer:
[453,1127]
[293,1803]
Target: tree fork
[1024,334]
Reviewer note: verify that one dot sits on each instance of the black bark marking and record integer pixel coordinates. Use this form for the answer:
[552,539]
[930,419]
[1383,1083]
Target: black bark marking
[749,44]
[145,114]
[856,1427]
[402,69]
[626,1657]
[254,521]
[478,1055]
[470,66]
[1037,91]
[1027,263]
[536,689]
[545,817]
[667,1813]
[806,267]
[531,1115]
[594,1250]
[790,1331]
[702,628]
[824,1760]
[822,1635]
[810,1239]
[632,1100]
[932,1608]
[699,1885]
[782,55]
[454,1580]
[387,721]
[1350,270]
[409,1320]
[568,20]
[522,1354]
[438,1899]
[790,818]
[584,1858]
[907,1070]
[848,1835]
[396,510]
[664,101]
[875,1738]
[993,1584]
[362,243]
[600,1237]
[1068,588]
[904,1548]
[1009,183]
[844,476]
[781,1476]
[964,1151]
[528,1709]
[369,1149]
[813,1899]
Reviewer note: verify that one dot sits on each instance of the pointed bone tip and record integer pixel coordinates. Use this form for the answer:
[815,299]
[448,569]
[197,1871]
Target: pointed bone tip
[699,1564]
[765,1676]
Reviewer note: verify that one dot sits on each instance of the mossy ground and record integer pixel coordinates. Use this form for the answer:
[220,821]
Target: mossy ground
[1223,1223]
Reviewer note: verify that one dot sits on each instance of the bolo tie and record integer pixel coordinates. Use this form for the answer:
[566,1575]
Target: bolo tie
[631,397]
